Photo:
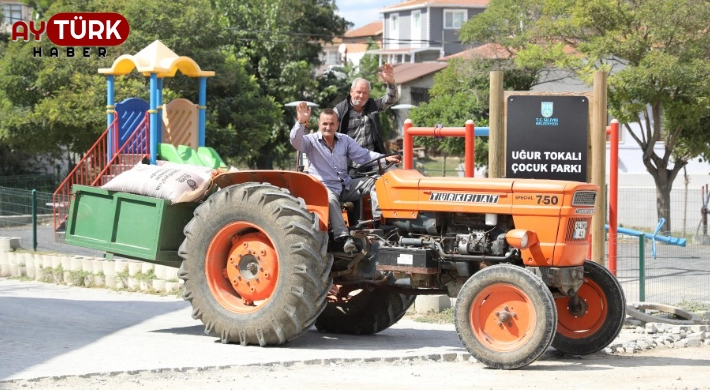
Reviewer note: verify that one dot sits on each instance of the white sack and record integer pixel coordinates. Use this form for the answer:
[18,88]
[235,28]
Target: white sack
[174,182]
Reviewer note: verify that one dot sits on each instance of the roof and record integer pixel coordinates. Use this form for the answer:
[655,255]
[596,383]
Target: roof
[488,51]
[405,50]
[407,72]
[356,47]
[158,59]
[492,51]
[370,30]
[414,4]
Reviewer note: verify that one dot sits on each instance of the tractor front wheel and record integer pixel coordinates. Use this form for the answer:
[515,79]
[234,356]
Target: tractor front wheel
[505,316]
[594,322]
[255,265]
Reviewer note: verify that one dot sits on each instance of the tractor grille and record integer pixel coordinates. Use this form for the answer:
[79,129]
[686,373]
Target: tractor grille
[584,198]
[577,229]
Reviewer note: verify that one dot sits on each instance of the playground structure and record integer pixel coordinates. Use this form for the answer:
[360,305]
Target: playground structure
[139,131]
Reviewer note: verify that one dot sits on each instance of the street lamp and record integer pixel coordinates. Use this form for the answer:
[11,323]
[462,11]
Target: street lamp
[294,104]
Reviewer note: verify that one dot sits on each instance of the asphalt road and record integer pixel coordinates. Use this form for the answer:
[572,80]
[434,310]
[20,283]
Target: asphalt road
[54,336]
[50,330]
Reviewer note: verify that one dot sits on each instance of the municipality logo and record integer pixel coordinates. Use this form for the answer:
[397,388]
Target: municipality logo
[546,109]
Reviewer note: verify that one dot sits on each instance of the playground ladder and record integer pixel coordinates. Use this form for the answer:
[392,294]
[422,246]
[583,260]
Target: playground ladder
[95,169]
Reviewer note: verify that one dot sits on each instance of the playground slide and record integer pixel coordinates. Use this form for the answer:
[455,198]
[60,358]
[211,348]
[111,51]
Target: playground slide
[183,154]
[210,158]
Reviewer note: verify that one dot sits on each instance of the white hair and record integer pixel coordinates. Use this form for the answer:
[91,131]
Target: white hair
[360,80]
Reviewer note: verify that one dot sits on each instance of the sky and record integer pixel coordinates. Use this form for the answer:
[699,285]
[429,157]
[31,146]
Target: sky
[362,12]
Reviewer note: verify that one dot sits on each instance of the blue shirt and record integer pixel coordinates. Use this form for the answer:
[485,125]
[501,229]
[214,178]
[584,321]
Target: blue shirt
[330,166]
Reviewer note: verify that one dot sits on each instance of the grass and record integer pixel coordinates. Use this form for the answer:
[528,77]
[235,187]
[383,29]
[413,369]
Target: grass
[445,316]
[434,166]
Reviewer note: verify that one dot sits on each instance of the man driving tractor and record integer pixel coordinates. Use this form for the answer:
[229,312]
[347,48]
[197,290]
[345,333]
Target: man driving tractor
[328,154]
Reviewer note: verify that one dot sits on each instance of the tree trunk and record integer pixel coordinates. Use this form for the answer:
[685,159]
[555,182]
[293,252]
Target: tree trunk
[663,207]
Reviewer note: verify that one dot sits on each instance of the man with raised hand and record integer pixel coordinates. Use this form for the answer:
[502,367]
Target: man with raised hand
[328,154]
[359,113]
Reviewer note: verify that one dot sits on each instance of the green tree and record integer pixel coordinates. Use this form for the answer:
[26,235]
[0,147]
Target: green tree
[61,101]
[657,53]
[281,41]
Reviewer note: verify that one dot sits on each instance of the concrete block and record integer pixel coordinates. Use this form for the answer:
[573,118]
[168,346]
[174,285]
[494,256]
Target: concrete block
[5,245]
[431,303]
[10,244]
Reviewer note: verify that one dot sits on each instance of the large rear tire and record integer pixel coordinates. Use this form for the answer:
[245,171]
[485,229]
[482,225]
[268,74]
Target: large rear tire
[505,316]
[255,265]
[363,312]
[602,320]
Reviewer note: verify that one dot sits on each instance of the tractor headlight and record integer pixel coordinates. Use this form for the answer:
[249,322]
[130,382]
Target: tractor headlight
[521,238]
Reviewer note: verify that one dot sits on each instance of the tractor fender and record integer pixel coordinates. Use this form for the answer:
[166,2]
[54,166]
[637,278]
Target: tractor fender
[300,185]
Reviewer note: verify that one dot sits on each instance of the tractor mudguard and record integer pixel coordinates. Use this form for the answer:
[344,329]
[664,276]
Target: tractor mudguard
[300,185]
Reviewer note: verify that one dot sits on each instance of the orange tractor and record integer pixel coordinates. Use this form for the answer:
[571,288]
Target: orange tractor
[260,267]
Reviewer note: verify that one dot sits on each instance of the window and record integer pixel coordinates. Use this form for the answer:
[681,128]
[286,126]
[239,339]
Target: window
[330,57]
[11,13]
[392,38]
[416,29]
[394,23]
[419,95]
[454,19]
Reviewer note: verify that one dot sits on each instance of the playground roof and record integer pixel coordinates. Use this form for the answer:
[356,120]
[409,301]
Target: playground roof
[156,58]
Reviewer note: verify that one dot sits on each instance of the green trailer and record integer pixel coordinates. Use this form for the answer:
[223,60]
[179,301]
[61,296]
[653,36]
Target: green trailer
[128,225]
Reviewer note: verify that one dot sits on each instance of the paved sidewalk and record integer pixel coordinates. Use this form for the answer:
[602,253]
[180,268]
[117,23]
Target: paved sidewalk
[53,330]
[45,240]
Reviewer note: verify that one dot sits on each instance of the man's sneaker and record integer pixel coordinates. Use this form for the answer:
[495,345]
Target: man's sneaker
[349,246]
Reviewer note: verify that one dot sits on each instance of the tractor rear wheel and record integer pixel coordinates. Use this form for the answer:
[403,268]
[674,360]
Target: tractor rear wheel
[604,310]
[362,312]
[255,265]
[505,316]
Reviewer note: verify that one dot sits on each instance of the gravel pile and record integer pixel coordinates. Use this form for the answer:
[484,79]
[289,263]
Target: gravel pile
[638,336]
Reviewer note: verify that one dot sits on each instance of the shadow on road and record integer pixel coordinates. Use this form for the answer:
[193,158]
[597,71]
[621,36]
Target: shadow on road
[59,326]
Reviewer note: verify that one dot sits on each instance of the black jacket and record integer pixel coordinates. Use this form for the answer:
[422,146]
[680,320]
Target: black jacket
[372,112]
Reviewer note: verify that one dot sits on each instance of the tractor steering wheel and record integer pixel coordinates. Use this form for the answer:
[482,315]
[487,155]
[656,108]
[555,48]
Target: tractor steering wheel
[367,170]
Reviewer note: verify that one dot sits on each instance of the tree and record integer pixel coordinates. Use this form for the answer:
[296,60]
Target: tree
[657,54]
[281,42]
[61,101]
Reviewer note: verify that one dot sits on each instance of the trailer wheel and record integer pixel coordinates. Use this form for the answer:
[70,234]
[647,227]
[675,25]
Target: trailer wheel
[505,316]
[603,317]
[255,265]
[362,312]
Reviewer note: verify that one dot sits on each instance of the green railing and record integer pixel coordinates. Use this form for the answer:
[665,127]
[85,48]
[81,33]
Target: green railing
[18,202]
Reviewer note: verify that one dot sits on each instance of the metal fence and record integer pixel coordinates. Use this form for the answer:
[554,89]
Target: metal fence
[41,183]
[663,273]
[667,274]
[16,205]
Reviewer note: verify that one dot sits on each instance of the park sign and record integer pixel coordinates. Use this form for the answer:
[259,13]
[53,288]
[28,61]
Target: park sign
[547,137]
